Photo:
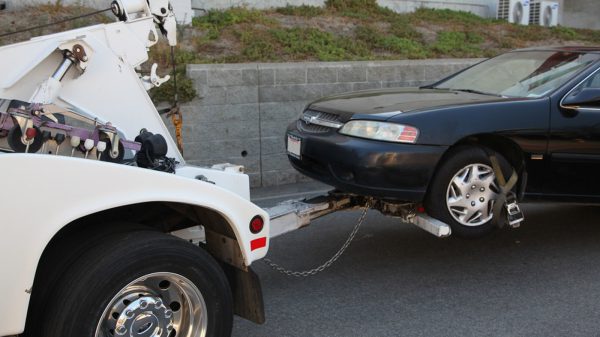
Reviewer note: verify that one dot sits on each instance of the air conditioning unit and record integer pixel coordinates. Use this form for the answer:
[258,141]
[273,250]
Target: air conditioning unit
[514,11]
[544,13]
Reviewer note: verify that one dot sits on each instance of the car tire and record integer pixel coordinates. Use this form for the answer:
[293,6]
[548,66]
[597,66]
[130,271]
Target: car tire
[463,191]
[141,280]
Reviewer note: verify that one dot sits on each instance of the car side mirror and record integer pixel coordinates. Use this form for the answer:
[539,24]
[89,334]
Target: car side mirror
[586,97]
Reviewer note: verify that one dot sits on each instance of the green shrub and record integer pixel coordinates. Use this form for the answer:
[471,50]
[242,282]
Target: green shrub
[404,47]
[360,9]
[458,44]
[448,16]
[257,46]
[301,43]
[352,5]
[215,21]
[304,10]
[566,33]
[369,35]
[402,27]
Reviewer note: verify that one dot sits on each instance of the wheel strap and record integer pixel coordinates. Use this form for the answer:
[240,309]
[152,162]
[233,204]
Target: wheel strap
[505,188]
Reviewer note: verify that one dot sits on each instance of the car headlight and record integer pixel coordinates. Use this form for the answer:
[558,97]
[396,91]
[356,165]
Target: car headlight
[388,132]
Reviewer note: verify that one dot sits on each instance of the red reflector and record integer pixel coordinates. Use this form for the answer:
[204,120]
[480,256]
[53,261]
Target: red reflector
[409,134]
[257,224]
[421,209]
[30,133]
[258,243]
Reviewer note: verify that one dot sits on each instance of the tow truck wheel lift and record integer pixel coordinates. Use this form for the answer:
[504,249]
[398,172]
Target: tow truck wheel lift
[292,215]
[295,214]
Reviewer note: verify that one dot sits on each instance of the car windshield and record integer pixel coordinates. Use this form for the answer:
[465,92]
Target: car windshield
[520,74]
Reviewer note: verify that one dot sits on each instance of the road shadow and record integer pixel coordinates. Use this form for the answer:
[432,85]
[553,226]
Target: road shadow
[538,280]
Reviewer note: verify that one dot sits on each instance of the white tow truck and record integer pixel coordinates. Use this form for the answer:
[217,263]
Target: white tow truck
[106,231]
[93,244]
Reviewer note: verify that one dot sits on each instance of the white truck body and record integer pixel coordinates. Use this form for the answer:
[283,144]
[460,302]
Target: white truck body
[40,194]
[36,205]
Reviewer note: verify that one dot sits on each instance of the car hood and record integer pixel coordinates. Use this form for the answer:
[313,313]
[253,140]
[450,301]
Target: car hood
[387,103]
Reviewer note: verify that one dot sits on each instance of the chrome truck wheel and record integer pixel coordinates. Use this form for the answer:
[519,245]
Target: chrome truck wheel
[134,283]
[156,305]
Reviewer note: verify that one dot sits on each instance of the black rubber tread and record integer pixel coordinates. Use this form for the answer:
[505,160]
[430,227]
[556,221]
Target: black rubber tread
[60,254]
[75,304]
[435,201]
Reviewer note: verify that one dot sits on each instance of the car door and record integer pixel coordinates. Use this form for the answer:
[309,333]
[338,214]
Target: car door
[574,146]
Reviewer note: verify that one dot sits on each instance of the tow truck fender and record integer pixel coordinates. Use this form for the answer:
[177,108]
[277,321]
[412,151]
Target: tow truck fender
[41,194]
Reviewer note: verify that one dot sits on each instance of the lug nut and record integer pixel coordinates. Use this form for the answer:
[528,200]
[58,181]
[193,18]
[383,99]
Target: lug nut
[481,199]
[473,203]
[121,330]
[482,189]
[468,195]
[143,304]
[129,314]
[473,187]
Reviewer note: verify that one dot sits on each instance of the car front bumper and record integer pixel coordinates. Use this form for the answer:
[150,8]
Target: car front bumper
[366,167]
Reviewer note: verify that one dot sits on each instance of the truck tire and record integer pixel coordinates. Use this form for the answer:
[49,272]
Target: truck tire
[464,189]
[141,283]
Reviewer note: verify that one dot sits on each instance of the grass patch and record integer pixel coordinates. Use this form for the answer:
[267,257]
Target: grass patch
[258,46]
[341,30]
[312,43]
[458,44]
[215,21]
[566,33]
[304,11]
[367,10]
[446,15]
[402,27]
[390,43]
[407,48]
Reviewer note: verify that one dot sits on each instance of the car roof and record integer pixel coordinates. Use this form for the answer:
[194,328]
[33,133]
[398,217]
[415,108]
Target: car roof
[576,49]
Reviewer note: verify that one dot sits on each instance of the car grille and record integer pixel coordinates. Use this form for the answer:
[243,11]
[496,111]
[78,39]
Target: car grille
[315,128]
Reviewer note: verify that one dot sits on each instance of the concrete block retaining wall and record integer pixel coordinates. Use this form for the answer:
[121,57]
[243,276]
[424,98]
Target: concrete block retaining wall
[243,110]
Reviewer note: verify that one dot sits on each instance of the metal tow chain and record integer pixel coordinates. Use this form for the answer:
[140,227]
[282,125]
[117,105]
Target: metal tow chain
[329,262]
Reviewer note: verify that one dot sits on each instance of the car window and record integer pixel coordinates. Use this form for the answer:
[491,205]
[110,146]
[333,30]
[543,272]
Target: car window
[521,74]
[593,82]
[586,93]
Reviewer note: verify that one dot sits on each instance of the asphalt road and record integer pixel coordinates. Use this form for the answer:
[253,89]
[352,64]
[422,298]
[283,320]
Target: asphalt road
[397,280]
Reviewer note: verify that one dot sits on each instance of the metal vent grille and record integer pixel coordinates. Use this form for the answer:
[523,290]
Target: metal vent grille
[315,128]
[322,115]
[312,128]
[534,13]
[503,9]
